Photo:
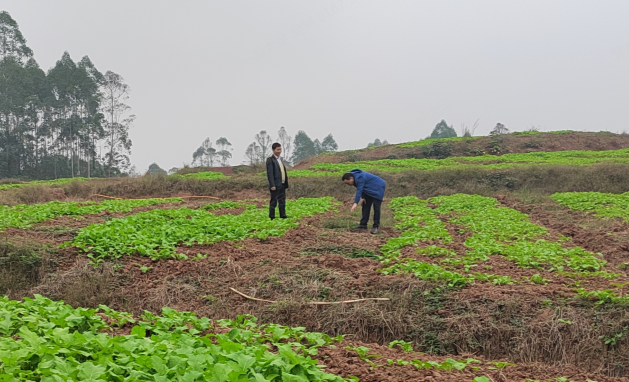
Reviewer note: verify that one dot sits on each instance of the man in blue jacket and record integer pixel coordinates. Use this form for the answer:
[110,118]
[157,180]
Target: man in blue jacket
[369,191]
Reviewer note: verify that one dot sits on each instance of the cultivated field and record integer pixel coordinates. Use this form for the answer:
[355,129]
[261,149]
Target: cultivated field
[488,268]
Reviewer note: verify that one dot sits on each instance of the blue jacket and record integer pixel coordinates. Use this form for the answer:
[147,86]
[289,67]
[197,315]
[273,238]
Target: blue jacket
[368,184]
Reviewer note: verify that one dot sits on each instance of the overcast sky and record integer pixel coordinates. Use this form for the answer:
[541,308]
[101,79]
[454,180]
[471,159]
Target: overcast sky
[357,69]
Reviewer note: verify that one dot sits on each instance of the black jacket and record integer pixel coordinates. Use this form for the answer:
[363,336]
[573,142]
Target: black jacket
[274,174]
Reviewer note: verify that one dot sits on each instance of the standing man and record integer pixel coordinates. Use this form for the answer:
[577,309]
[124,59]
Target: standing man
[369,191]
[278,181]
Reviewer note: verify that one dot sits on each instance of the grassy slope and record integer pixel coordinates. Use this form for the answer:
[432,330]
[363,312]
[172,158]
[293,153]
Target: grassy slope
[509,143]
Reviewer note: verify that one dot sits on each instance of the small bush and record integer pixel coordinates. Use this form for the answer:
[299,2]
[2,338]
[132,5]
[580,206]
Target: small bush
[440,150]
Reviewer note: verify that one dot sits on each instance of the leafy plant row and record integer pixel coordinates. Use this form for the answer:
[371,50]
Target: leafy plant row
[24,216]
[491,230]
[206,175]
[603,204]
[48,341]
[449,365]
[157,233]
[54,182]
[429,141]
[574,158]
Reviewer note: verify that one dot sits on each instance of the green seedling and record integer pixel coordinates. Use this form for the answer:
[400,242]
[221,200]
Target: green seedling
[407,347]
[501,365]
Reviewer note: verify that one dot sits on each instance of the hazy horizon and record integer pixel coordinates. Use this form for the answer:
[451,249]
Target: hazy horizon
[357,69]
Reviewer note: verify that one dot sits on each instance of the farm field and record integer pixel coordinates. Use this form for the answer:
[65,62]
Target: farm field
[205,175]
[503,288]
[497,152]
[486,161]
[487,268]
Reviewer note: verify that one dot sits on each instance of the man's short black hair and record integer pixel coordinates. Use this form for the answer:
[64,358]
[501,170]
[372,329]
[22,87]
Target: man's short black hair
[275,145]
[347,176]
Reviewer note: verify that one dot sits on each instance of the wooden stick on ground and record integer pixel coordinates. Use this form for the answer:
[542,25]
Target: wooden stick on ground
[313,302]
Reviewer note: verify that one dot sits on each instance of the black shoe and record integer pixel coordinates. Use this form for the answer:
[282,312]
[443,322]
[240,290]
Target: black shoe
[360,228]
[375,230]
[283,217]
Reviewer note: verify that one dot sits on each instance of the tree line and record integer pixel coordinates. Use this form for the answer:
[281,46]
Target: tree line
[294,149]
[72,120]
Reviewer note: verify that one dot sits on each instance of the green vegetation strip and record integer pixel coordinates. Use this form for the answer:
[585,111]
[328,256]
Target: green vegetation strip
[24,216]
[157,233]
[48,341]
[429,141]
[207,175]
[604,205]
[573,158]
[54,182]
[492,229]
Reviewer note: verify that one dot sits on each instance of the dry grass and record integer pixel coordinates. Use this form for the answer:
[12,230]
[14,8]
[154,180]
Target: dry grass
[535,180]
[83,285]
[22,267]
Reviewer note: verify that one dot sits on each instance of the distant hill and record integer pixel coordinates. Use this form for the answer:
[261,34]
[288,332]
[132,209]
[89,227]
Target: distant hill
[523,142]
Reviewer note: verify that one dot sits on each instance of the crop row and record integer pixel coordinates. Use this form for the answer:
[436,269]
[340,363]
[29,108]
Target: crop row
[574,158]
[24,216]
[206,175]
[157,233]
[489,229]
[56,182]
[48,341]
[603,204]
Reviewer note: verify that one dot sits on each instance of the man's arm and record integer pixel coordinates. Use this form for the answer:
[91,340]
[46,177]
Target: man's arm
[270,173]
[359,189]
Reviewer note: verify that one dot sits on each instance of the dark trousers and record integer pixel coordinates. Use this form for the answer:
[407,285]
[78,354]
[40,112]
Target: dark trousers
[278,198]
[369,201]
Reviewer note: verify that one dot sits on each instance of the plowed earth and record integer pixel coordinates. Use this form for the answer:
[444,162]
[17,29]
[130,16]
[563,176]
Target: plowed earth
[313,263]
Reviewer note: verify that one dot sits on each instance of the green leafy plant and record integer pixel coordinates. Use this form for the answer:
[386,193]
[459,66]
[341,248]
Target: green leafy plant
[46,340]
[501,365]
[54,182]
[157,233]
[206,175]
[612,339]
[24,216]
[604,205]
[405,346]
[495,230]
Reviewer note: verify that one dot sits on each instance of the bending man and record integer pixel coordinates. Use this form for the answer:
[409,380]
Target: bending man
[369,191]
[278,181]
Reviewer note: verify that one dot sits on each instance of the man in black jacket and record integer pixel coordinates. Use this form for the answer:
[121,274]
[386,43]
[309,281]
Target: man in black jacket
[278,181]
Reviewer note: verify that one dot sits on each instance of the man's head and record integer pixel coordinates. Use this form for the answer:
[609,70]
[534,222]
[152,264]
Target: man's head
[277,149]
[348,178]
